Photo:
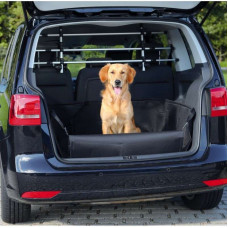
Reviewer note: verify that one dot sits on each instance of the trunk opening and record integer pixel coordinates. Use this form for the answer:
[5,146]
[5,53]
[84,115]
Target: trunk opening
[166,93]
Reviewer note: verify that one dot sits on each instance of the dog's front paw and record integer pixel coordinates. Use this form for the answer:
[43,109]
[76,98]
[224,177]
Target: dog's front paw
[138,130]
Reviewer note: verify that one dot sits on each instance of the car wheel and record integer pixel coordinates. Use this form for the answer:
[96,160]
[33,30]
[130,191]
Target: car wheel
[12,211]
[203,201]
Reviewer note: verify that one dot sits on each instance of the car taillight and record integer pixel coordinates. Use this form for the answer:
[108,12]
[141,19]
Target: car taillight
[218,101]
[40,194]
[24,110]
[217,182]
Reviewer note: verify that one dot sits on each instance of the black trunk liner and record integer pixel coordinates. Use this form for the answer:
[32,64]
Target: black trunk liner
[166,127]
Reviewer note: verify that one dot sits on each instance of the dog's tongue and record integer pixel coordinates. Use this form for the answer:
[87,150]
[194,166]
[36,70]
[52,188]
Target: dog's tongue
[117,90]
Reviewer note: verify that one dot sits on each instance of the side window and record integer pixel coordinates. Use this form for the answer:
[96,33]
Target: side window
[188,49]
[11,57]
[16,51]
[6,61]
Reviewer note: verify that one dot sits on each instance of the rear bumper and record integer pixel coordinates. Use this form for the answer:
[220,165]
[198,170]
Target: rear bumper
[149,182]
[120,195]
[72,197]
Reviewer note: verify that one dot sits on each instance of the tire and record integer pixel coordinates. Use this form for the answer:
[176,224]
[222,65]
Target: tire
[203,201]
[12,211]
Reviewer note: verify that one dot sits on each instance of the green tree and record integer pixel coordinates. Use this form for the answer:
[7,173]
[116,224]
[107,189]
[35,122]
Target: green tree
[215,27]
[11,15]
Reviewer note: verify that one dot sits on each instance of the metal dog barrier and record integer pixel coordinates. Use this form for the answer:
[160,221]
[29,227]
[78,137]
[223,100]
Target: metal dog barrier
[61,50]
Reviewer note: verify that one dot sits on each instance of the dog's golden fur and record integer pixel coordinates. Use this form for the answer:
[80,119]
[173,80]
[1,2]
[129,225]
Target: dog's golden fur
[116,109]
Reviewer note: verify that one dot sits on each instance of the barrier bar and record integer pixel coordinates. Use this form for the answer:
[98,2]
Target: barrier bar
[104,49]
[106,61]
[102,34]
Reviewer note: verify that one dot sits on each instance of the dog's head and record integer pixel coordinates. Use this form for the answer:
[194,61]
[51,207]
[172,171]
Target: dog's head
[117,75]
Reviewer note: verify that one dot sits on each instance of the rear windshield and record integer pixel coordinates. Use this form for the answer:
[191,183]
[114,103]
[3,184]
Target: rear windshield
[80,50]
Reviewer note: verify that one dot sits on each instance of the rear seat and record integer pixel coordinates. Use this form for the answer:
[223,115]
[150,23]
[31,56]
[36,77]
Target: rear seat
[57,87]
[88,84]
[155,82]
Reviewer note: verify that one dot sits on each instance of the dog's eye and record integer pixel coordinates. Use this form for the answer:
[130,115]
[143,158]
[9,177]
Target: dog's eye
[122,72]
[112,72]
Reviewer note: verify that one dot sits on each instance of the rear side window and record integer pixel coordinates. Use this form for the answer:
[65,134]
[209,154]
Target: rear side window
[6,64]
[12,55]
[191,58]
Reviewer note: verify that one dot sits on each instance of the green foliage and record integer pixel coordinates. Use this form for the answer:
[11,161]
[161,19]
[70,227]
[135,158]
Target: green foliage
[3,112]
[92,54]
[215,27]
[225,76]
[11,15]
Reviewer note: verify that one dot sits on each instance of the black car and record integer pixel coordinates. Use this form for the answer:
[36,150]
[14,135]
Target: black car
[51,143]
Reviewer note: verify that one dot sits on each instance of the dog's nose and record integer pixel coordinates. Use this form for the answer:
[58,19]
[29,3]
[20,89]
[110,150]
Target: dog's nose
[117,82]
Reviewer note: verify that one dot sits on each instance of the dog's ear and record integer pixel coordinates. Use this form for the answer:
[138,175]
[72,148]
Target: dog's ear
[103,73]
[131,74]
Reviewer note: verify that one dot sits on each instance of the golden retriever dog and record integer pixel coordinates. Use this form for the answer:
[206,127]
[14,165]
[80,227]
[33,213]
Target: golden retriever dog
[116,108]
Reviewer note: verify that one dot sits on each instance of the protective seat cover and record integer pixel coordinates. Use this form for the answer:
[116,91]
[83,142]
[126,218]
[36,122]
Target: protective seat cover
[166,127]
[57,87]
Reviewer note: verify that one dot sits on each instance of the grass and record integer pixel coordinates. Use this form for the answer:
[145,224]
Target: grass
[223,64]
[225,75]
[3,112]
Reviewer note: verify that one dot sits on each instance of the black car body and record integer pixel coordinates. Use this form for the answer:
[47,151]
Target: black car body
[34,170]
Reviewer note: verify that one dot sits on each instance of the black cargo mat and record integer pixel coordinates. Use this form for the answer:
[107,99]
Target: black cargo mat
[166,127]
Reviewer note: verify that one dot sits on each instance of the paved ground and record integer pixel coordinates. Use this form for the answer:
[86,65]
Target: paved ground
[166,212]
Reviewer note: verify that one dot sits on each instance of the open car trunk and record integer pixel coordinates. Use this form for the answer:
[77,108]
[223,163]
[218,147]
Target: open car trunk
[166,93]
